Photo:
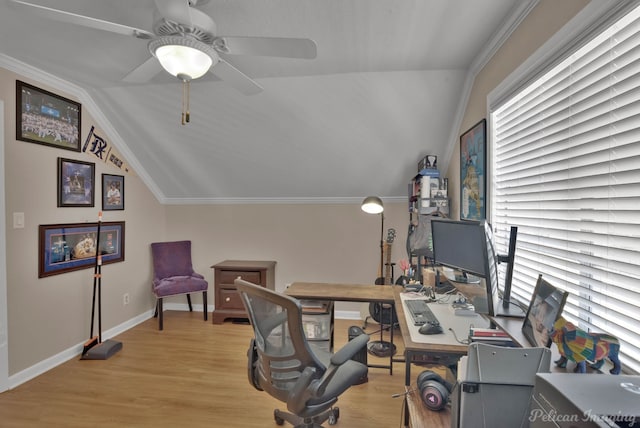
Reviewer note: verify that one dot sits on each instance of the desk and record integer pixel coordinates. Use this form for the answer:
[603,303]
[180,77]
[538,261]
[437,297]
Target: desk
[346,293]
[443,349]
[440,349]
[513,328]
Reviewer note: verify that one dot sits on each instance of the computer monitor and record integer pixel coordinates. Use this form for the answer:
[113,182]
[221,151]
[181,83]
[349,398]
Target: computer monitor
[458,244]
[468,247]
[509,308]
[547,303]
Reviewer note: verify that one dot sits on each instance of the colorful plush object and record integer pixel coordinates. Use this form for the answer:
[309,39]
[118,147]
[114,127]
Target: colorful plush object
[581,346]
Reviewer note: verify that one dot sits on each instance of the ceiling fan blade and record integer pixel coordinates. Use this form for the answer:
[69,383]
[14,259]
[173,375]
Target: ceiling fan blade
[175,10]
[85,21]
[267,46]
[144,72]
[235,78]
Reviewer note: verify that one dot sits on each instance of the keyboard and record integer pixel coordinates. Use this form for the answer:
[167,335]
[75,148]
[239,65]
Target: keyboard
[420,312]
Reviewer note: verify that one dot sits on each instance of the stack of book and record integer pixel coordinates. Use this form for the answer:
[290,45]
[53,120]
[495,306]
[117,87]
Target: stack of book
[490,336]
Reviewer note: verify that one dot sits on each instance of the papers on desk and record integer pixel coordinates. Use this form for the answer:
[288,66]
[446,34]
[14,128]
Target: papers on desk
[455,328]
[490,336]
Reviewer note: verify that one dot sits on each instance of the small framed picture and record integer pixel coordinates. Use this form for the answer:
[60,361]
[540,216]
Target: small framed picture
[112,192]
[43,117]
[75,183]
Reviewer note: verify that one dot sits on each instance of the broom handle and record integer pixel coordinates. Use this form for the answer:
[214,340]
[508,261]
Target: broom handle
[96,285]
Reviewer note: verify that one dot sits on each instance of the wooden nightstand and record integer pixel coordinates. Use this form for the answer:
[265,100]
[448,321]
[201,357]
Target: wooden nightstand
[227,300]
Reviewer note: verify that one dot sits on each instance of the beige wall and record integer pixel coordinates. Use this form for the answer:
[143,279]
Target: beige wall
[331,243]
[541,23]
[326,243]
[49,315]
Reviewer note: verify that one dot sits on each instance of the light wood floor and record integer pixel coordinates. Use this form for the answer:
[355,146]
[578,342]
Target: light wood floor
[192,374]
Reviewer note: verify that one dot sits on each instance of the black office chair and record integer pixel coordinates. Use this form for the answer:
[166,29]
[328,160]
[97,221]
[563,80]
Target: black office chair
[284,364]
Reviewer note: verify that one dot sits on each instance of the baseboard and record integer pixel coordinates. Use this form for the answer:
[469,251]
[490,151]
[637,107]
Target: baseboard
[75,351]
[348,315]
[340,315]
[72,352]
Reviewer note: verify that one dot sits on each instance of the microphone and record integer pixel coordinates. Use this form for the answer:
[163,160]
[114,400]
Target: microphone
[403,393]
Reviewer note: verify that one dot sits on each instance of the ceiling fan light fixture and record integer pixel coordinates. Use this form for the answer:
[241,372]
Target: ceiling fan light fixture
[183,57]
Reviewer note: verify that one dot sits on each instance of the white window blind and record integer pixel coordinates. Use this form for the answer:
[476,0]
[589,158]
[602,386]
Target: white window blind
[566,171]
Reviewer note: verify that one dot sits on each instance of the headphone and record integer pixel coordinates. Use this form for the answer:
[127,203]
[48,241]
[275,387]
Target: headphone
[434,390]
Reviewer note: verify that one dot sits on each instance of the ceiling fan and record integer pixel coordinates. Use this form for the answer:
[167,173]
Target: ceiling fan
[184,42]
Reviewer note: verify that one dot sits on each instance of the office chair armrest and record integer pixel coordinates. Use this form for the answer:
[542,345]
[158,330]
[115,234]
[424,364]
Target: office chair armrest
[339,358]
[301,391]
[349,350]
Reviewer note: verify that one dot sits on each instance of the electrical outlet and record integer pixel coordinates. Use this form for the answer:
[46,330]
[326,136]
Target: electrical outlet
[125,299]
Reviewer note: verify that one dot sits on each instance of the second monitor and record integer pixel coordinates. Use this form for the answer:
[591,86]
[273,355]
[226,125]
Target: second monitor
[468,247]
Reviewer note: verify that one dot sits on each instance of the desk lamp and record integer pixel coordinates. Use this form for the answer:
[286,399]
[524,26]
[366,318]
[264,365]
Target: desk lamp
[379,348]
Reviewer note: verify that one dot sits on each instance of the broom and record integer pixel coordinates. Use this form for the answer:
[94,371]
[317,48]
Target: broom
[94,348]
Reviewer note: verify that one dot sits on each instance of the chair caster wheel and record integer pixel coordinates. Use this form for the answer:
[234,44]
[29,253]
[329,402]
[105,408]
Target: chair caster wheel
[335,414]
[278,419]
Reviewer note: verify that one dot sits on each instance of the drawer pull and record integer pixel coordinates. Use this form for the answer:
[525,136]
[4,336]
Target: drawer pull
[228,299]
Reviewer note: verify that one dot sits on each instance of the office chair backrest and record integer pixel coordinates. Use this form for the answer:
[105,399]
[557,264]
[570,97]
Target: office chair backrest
[281,350]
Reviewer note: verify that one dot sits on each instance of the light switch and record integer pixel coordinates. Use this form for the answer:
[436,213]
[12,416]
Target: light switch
[18,220]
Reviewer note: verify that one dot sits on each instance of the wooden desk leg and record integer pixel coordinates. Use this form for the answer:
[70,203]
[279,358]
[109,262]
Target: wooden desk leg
[408,355]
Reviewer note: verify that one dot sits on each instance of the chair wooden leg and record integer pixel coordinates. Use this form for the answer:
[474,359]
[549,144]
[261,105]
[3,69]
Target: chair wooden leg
[189,301]
[160,311]
[204,304]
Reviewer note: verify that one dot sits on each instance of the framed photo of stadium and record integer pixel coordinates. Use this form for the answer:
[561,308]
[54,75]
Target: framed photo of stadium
[45,118]
[73,246]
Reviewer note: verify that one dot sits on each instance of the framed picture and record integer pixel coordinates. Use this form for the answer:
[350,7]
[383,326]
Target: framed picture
[75,183]
[473,172]
[112,192]
[68,247]
[45,118]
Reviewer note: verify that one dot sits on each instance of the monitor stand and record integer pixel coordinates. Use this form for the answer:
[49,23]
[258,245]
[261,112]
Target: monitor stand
[512,311]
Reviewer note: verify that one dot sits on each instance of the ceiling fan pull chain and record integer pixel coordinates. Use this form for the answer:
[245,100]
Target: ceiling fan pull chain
[183,108]
[185,101]
[188,85]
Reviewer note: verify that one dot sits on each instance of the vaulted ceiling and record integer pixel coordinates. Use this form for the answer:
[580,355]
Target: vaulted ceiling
[386,88]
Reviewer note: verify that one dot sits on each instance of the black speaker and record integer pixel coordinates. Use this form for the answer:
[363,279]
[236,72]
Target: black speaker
[361,355]
[434,390]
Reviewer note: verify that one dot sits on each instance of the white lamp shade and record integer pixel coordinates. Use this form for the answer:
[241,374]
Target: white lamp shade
[183,60]
[372,205]
[183,57]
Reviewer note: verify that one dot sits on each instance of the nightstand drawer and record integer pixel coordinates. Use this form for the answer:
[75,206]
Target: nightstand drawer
[228,276]
[228,304]
[230,299]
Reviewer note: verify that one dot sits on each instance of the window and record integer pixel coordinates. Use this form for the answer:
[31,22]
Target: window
[566,171]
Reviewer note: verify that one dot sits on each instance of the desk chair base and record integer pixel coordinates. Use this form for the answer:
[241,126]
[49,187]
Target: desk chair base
[330,415]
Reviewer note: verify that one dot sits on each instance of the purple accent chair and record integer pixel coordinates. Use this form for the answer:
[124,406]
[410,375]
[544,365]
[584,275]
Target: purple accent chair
[173,274]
